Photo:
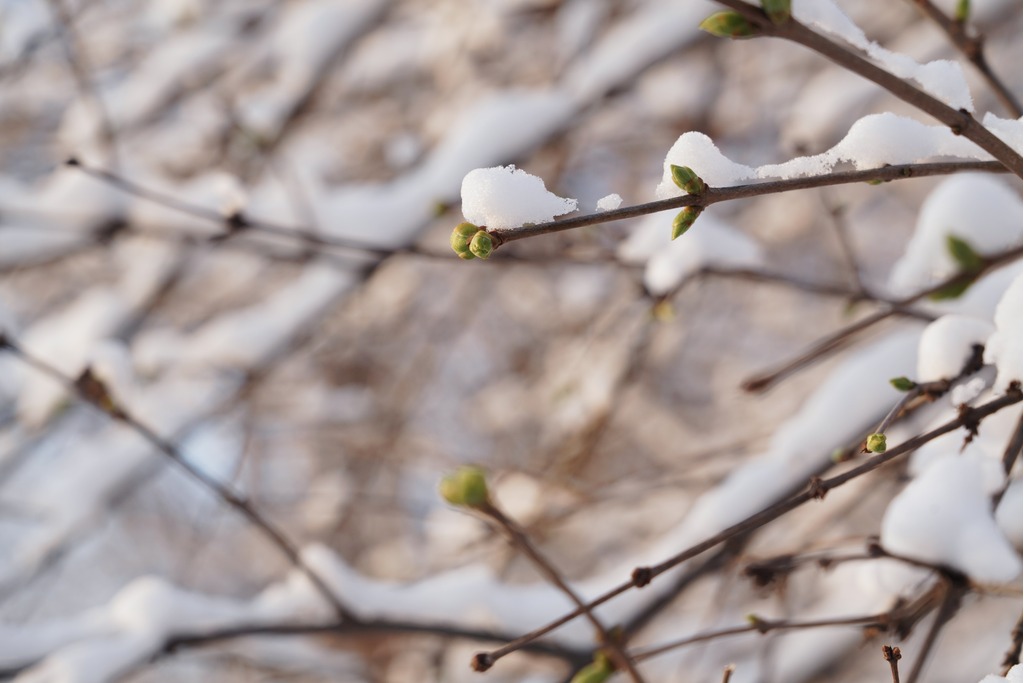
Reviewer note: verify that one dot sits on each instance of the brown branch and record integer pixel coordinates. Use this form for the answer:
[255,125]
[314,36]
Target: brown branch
[713,195]
[971,47]
[1012,656]
[91,390]
[80,68]
[816,489]
[893,656]
[838,339]
[762,626]
[953,594]
[960,122]
[519,539]
[1010,456]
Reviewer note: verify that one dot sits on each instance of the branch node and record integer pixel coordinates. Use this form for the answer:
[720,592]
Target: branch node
[817,488]
[642,576]
[482,661]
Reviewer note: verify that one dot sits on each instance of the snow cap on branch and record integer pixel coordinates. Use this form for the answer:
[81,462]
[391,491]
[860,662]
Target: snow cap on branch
[508,197]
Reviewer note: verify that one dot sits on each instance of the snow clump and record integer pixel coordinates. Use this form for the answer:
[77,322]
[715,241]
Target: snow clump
[508,197]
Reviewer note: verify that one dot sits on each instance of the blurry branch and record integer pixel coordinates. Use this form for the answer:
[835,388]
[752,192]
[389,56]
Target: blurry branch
[893,656]
[815,490]
[960,122]
[839,338]
[1012,656]
[970,47]
[841,228]
[953,592]
[90,389]
[383,627]
[519,539]
[1010,456]
[81,70]
[713,195]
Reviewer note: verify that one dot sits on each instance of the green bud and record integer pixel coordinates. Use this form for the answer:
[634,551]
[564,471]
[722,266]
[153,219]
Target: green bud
[876,443]
[684,220]
[598,671]
[963,11]
[460,238]
[902,383]
[964,255]
[777,10]
[838,455]
[729,25]
[481,245]
[465,487]
[687,181]
[875,181]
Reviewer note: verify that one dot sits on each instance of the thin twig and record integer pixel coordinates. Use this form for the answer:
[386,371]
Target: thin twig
[1012,656]
[959,121]
[971,47]
[714,195]
[952,596]
[78,63]
[893,656]
[839,338]
[817,489]
[519,539]
[1010,456]
[89,389]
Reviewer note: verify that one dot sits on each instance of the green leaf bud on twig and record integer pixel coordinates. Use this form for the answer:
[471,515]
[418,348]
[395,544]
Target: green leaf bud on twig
[876,443]
[598,671]
[684,220]
[465,487]
[461,236]
[778,11]
[481,245]
[962,12]
[964,255]
[729,25]
[688,181]
[902,383]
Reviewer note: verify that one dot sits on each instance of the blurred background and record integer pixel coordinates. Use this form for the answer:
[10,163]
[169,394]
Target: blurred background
[335,385]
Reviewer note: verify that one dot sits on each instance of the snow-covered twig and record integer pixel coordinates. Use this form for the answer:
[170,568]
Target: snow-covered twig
[972,47]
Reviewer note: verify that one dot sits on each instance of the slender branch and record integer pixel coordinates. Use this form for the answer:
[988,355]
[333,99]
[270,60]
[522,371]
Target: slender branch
[893,656]
[519,539]
[90,390]
[727,673]
[960,122]
[762,626]
[1012,656]
[80,68]
[713,195]
[1010,456]
[839,338]
[816,489]
[971,47]
[953,594]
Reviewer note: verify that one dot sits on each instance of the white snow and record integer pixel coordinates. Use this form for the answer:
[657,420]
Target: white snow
[879,139]
[978,209]
[1010,131]
[944,516]
[1005,347]
[700,153]
[609,202]
[710,243]
[508,197]
[1014,675]
[943,79]
[946,344]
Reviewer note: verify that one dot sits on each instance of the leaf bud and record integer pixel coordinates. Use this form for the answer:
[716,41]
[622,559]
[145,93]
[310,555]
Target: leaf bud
[902,383]
[481,245]
[729,25]
[876,443]
[687,180]
[465,487]
[778,11]
[684,220]
[461,236]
